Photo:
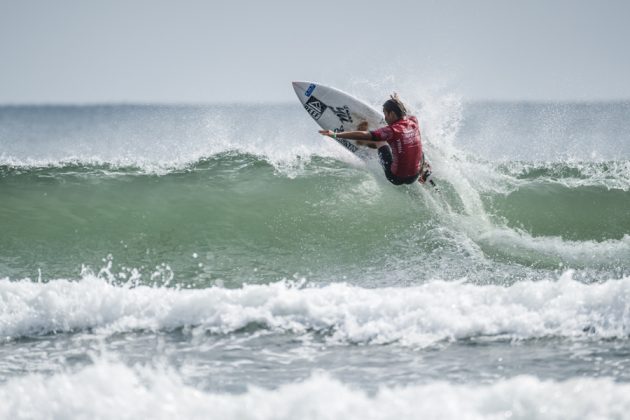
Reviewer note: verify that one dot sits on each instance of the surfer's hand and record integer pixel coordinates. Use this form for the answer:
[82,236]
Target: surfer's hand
[328,133]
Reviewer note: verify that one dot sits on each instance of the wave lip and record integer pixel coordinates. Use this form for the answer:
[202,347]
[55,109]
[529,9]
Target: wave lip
[112,390]
[414,316]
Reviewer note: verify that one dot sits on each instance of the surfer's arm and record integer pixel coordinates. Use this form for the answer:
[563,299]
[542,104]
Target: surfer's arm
[349,135]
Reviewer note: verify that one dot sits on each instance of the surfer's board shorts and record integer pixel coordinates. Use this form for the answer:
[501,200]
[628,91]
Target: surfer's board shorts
[385,156]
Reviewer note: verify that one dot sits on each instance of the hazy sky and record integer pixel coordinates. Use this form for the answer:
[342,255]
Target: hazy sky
[78,51]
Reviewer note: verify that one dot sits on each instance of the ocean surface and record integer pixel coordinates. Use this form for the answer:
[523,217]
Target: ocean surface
[229,262]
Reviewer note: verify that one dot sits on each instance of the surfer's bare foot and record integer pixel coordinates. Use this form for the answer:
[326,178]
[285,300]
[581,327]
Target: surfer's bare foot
[363,126]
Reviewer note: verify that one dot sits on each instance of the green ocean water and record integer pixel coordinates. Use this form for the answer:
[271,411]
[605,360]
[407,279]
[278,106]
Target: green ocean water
[234,218]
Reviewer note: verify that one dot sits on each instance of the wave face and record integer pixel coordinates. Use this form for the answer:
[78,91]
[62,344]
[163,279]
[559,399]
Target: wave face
[245,261]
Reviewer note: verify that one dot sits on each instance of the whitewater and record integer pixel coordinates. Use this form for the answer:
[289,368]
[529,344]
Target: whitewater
[227,261]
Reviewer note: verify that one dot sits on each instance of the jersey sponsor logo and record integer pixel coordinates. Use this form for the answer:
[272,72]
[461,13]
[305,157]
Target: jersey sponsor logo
[315,107]
[310,90]
[409,136]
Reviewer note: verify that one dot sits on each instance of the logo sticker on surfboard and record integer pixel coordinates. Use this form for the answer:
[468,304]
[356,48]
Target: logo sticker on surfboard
[310,90]
[343,113]
[315,107]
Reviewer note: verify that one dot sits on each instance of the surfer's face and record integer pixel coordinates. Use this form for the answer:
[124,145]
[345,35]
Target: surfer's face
[390,117]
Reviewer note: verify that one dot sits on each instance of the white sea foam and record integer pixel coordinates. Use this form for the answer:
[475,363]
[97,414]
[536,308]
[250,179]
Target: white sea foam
[414,316]
[612,175]
[112,390]
[517,244]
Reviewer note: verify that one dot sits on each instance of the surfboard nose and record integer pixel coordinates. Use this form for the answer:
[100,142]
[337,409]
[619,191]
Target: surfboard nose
[299,87]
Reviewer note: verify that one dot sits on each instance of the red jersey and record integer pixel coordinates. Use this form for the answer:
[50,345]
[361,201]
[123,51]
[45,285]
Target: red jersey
[403,137]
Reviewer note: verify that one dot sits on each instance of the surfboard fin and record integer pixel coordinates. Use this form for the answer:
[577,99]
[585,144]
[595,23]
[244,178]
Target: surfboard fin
[426,174]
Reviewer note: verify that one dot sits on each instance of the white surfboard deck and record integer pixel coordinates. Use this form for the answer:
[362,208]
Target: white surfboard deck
[336,110]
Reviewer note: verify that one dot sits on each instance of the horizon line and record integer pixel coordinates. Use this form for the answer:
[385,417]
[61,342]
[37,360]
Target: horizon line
[287,103]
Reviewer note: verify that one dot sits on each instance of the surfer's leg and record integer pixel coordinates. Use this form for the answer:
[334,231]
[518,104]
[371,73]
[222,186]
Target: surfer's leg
[385,156]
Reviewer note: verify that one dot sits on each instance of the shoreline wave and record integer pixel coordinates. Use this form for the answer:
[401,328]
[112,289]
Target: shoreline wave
[418,316]
[109,389]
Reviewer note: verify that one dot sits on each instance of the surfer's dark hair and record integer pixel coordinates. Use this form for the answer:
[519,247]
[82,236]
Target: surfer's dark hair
[396,106]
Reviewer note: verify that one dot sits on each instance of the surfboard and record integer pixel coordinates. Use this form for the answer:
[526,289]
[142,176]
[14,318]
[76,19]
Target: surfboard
[336,110]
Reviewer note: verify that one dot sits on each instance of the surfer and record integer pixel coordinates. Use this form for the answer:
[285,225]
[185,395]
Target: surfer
[399,144]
